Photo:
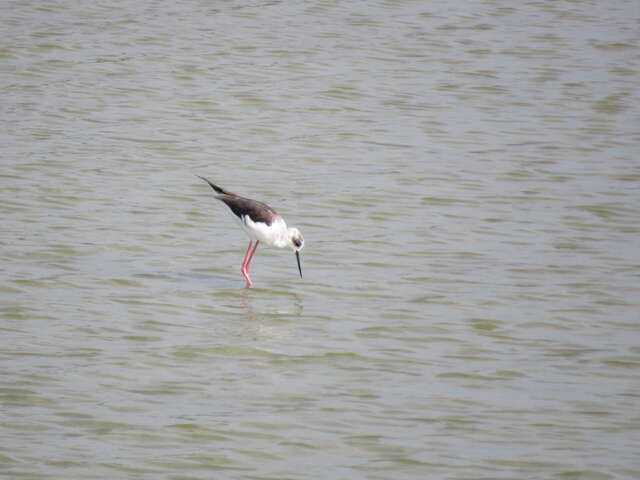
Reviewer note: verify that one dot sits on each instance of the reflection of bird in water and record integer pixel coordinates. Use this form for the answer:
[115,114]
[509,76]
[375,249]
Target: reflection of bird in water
[275,305]
[261,223]
[267,319]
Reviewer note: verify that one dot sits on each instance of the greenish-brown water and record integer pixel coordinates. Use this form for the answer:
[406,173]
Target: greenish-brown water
[466,178]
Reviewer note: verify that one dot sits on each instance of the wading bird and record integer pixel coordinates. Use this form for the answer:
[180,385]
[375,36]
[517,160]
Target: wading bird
[261,223]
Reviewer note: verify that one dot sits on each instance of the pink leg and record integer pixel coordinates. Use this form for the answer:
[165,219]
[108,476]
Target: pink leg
[243,269]
[246,255]
[255,247]
[247,260]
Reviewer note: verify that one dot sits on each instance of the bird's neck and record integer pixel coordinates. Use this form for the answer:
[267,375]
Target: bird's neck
[278,235]
[282,241]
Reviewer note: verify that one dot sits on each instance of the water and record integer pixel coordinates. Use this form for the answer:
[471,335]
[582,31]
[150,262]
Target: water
[466,177]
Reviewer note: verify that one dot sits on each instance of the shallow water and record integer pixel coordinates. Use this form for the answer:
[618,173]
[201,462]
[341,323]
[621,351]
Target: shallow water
[467,180]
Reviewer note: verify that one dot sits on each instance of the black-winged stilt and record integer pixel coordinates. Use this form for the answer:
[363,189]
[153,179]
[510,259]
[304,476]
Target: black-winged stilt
[261,223]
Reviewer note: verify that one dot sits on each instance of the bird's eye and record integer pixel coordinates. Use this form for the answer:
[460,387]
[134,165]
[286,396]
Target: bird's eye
[297,242]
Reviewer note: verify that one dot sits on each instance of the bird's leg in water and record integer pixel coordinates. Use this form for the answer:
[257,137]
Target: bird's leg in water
[247,260]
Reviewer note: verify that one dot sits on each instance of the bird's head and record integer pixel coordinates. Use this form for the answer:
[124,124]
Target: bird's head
[296,239]
[296,242]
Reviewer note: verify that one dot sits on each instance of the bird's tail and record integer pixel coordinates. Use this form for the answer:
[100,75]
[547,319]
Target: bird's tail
[216,187]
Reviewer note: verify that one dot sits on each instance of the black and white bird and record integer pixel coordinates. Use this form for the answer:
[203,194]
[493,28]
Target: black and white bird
[261,223]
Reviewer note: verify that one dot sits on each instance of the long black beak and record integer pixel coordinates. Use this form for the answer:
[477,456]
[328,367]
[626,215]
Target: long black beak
[298,259]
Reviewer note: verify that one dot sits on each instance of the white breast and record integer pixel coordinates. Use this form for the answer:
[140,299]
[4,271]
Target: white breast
[274,235]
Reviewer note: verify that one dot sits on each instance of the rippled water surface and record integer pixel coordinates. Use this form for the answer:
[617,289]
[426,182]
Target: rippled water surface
[467,179]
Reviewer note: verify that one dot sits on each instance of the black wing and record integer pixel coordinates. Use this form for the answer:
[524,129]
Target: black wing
[216,187]
[256,211]
[241,206]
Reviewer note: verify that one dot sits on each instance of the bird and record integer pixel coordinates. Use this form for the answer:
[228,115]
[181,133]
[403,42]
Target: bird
[261,223]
